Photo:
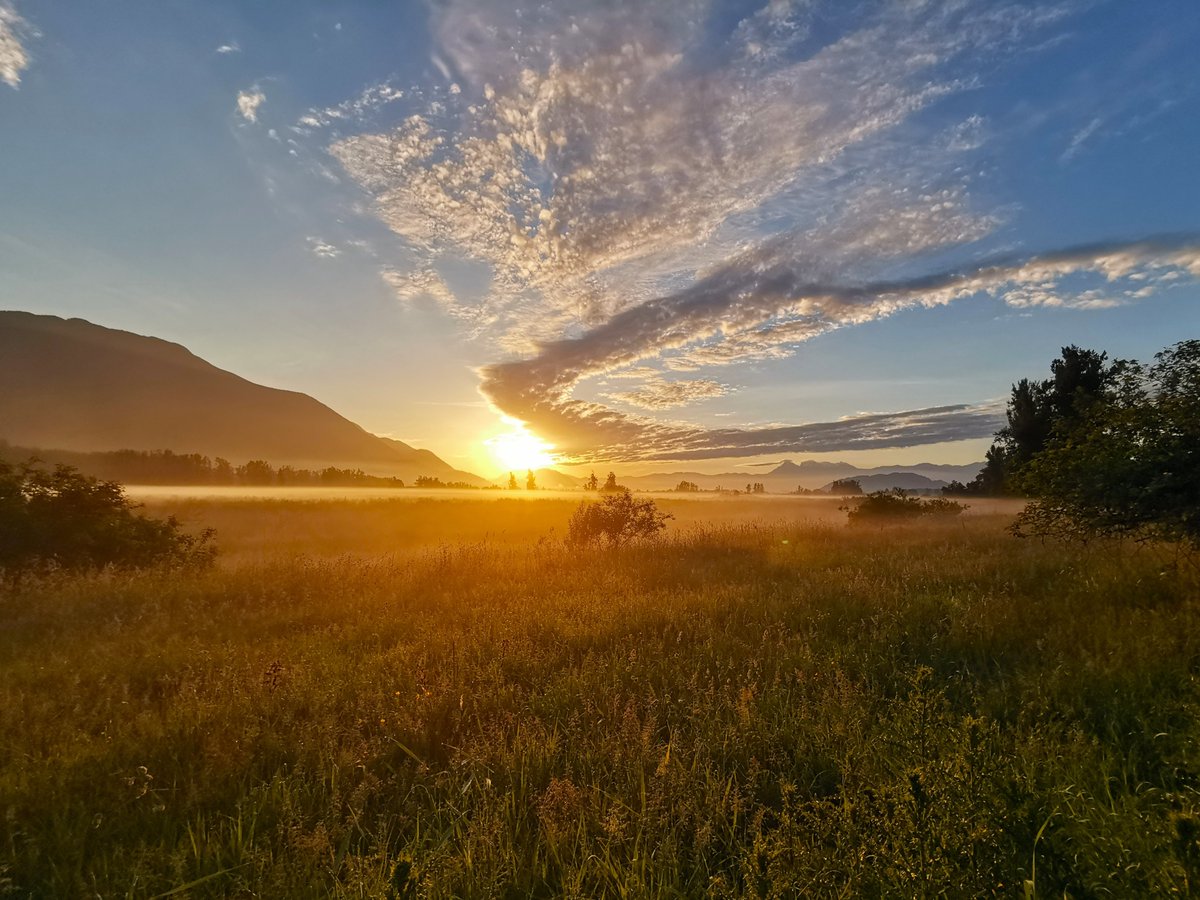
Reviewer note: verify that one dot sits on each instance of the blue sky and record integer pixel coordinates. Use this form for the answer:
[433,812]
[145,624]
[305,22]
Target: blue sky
[707,231]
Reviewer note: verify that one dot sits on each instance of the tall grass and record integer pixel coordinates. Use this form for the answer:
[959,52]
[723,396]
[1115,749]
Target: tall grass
[742,710]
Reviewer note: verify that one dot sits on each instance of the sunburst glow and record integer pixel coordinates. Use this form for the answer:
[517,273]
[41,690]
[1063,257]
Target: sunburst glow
[517,449]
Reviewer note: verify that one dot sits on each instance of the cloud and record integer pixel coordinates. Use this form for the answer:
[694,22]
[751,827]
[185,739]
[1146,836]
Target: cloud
[649,196]
[231,47]
[657,393]
[370,100]
[590,158]
[1080,138]
[248,103]
[14,58]
[765,303]
[323,249]
[411,286]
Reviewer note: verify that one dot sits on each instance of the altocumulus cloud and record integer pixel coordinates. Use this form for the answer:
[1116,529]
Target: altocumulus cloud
[248,103]
[658,393]
[641,195]
[14,58]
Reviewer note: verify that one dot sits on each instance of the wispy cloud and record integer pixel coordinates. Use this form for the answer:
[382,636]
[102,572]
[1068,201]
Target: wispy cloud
[248,103]
[1080,138]
[323,249]
[642,191]
[414,285]
[14,58]
[231,47]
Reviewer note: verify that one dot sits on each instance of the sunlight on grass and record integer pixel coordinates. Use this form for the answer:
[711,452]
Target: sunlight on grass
[743,709]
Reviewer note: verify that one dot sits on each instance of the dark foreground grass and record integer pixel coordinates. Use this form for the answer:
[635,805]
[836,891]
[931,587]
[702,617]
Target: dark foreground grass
[748,711]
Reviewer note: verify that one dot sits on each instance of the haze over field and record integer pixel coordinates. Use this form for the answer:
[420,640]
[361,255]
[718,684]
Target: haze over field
[615,234]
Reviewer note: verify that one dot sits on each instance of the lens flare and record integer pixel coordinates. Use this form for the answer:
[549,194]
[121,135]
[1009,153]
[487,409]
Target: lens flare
[518,450]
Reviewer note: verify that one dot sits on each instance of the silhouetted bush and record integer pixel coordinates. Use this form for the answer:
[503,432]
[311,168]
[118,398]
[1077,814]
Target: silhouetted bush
[898,505]
[617,519]
[846,487]
[60,519]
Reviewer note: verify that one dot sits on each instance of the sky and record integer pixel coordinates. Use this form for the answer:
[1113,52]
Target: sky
[640,235]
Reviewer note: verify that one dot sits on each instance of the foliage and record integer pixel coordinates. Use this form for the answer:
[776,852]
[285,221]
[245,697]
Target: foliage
[846,487]
[748,711]
[1128,466]
[530,480]
[1079,379]
[610,483]
[615,520]
[592,483]
[168,467]
[897,504]
[425,481]
[687,487]
[62,520]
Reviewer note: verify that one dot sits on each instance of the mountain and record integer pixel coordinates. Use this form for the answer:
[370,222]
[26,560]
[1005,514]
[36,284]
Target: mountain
[70,385]
[811,475]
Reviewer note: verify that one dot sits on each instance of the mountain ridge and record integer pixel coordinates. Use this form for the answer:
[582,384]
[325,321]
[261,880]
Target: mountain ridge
[70,384]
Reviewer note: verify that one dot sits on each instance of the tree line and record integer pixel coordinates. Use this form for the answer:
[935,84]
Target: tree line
[1103,447]
[168,467]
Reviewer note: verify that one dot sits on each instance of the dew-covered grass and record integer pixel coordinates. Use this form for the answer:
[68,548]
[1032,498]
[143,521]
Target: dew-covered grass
[745,709]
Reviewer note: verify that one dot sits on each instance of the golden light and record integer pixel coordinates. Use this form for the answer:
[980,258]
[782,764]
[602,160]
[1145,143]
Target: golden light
[517,450]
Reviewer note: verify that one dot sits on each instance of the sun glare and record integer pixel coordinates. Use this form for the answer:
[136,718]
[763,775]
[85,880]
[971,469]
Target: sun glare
[518,450]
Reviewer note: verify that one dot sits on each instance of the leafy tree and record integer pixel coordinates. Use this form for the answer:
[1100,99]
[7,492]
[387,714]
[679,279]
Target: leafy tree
[615,520]
[60,519]
[846,487]
[610,483]
[512,482]
[687,487]
[530,480]
[1128,464]
[592,483]
[1036,409]
[256,471]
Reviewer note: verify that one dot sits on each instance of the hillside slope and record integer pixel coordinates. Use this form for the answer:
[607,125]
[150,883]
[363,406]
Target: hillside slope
[71,385]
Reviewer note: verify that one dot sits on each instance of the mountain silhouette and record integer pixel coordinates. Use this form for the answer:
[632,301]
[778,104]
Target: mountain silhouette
[68,384]
[813,474]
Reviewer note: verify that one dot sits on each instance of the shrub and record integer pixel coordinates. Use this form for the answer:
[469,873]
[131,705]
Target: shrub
[897,505]
[846,487]
[615,520]
[61,519]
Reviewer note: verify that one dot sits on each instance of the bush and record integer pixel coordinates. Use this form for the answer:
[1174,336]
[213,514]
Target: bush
[615,520]
[896,505]
[61,519]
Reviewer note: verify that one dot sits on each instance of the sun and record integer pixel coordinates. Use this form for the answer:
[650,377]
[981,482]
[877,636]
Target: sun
[518,450]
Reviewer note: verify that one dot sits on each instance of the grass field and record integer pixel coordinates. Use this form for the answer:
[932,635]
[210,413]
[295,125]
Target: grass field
[439,699]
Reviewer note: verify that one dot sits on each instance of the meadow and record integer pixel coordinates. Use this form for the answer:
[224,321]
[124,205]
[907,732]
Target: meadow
[438,698]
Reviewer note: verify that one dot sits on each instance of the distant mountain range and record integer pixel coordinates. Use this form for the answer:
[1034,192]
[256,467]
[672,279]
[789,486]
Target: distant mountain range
[813,475]
[67,384]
